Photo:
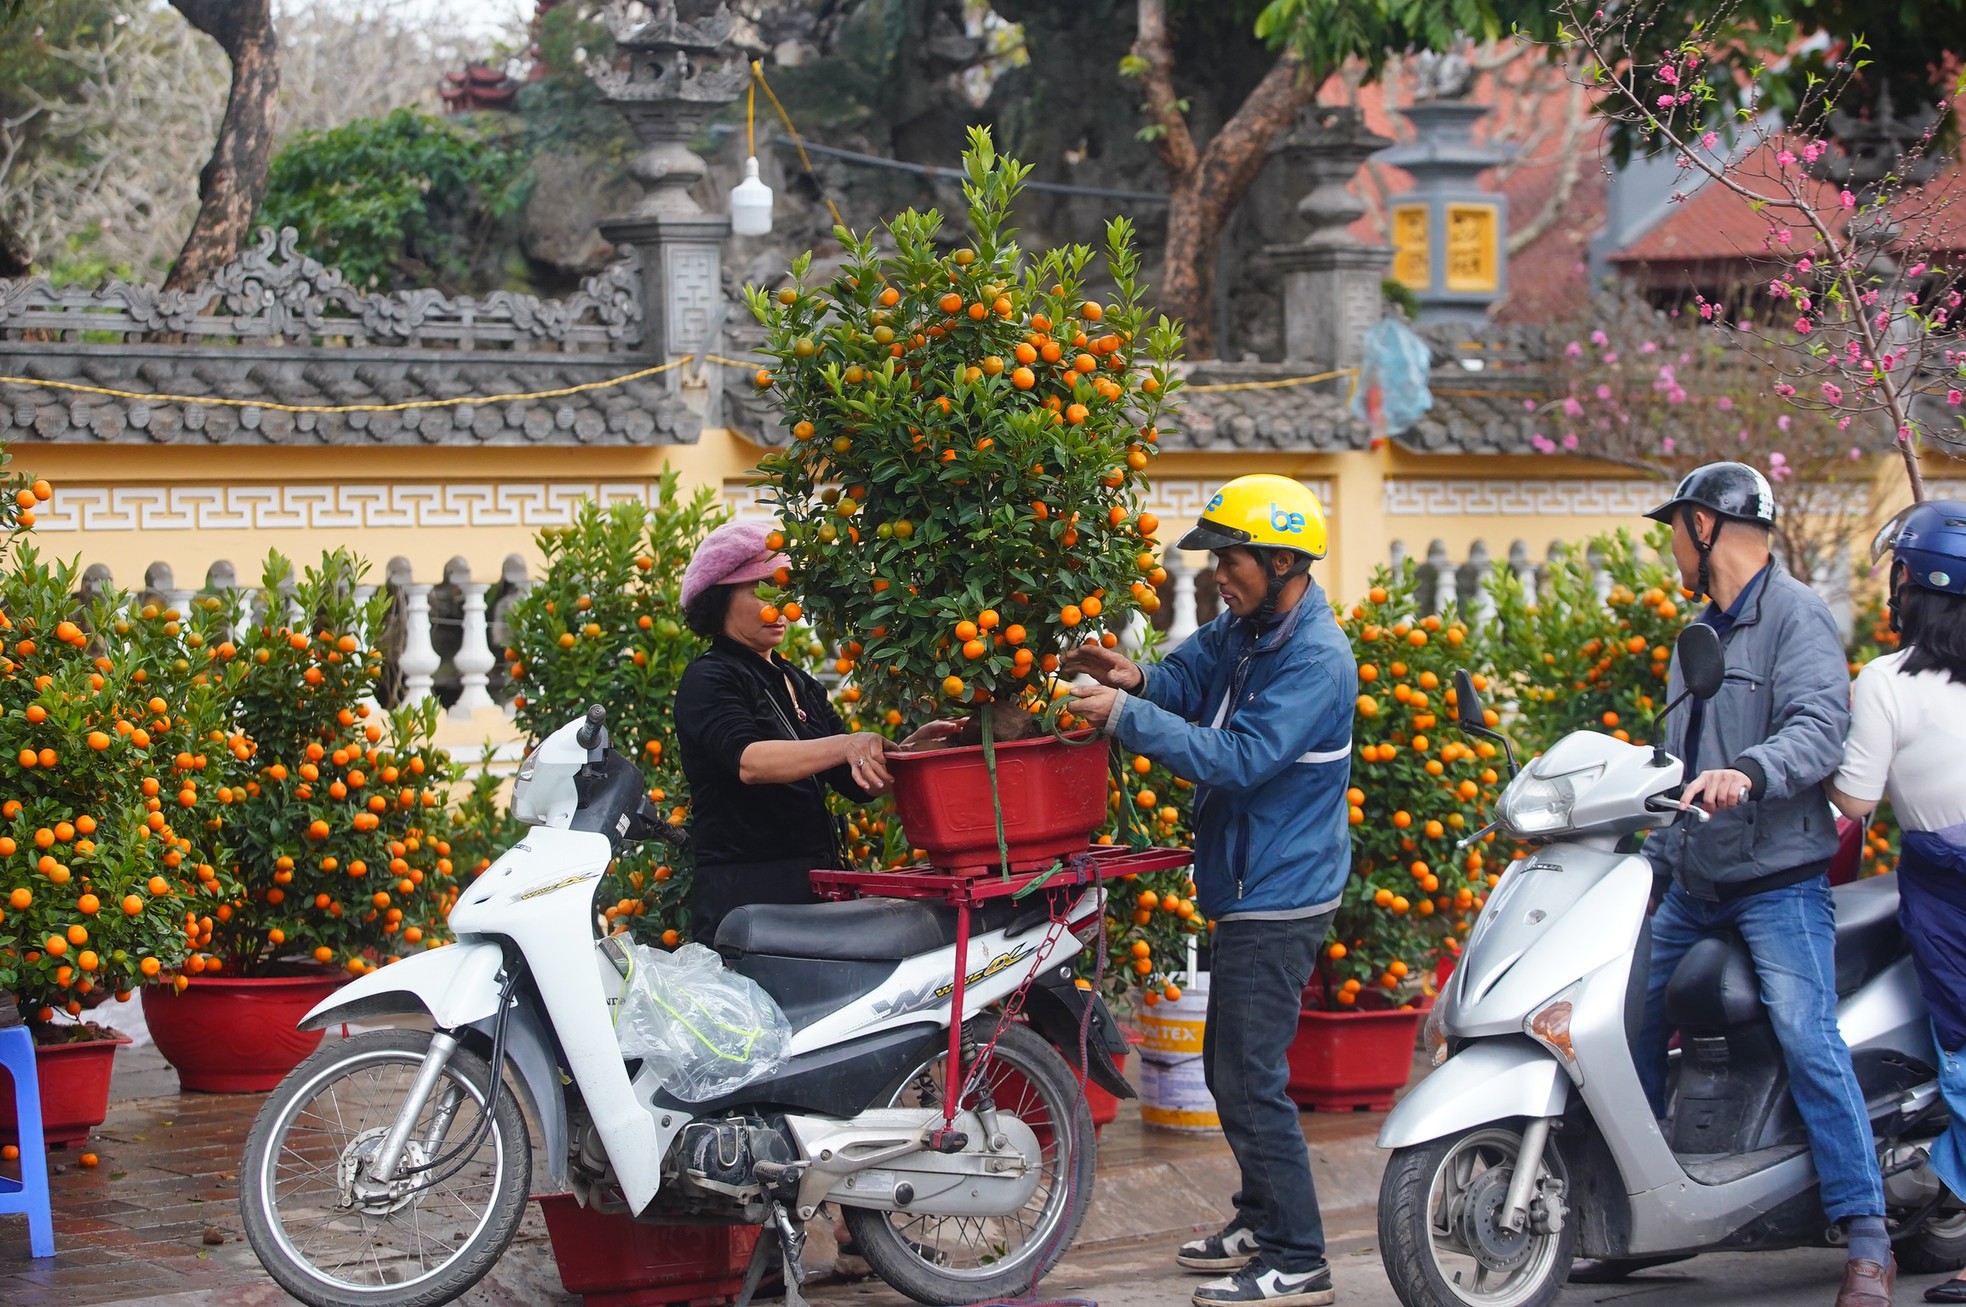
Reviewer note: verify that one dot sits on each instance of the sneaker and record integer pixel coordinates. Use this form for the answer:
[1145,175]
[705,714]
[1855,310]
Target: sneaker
[1227,1251]
[1260,1283]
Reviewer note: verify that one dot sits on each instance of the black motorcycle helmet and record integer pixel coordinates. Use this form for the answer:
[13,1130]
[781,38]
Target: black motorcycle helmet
[1732,492]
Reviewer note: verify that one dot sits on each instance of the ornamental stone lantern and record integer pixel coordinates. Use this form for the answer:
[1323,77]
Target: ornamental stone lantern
[1331,278]
[669,77]
[1449,235]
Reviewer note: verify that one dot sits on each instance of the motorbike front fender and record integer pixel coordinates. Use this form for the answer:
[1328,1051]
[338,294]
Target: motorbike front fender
[457,985]
[1489,1080]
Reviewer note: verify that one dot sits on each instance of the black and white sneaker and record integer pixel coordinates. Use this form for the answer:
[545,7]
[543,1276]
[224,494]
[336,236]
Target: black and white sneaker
[1227,1251]
[1257,1282]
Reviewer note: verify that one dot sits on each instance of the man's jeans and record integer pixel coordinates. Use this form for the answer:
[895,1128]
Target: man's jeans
[1791,934]
[1256,986]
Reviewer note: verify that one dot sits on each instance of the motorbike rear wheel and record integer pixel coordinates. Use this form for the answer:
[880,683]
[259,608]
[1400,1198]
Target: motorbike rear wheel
[974,1259]
[330,1234]
[1439,1209]
[1940,1246]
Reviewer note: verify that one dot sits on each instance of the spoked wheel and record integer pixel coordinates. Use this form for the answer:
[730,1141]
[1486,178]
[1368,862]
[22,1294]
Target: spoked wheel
[1940,1246]
[1440,1222]
[950,1259]
[334,1236]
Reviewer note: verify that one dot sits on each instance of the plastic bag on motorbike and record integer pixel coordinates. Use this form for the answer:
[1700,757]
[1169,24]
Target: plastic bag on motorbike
[704,1029]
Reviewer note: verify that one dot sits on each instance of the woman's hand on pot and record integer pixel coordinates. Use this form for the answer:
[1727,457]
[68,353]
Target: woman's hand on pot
[866,759]
[1106,666]
[932,734]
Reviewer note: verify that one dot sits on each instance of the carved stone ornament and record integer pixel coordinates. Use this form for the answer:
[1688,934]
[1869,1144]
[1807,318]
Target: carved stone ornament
[273,292]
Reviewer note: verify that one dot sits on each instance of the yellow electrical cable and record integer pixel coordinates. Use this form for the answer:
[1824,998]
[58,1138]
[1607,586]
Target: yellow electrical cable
[1278,384]
[758,79]
[219,402]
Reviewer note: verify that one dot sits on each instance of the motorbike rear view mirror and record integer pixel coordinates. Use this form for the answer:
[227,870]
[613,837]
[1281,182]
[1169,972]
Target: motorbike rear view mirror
[1702,666]
[1470,717]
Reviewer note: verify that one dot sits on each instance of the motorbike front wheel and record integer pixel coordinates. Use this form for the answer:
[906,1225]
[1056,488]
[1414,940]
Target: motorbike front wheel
[333,1236]
[1440,1209]
[965,1259]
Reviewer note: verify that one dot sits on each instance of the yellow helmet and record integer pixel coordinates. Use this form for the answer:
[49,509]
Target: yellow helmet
[1261,511]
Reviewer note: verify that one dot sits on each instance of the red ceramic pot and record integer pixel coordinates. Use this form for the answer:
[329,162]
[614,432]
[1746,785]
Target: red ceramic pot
[74,1080]
[616,1261]
[1353,1061]
[235,1034]
[1054,798]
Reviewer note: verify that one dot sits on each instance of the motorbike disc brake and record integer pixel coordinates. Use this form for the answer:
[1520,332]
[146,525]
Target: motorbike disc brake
[364,1193]
[1476,1220]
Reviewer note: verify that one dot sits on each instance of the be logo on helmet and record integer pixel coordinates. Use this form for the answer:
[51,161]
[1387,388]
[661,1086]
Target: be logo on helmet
[1282,521]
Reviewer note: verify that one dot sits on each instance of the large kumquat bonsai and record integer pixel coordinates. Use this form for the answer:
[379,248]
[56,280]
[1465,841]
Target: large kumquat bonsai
[960,499]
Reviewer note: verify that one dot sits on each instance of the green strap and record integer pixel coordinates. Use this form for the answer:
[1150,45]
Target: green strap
[996,795]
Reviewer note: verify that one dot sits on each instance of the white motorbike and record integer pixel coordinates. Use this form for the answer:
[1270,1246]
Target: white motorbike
[1532,1144]
[392,1168]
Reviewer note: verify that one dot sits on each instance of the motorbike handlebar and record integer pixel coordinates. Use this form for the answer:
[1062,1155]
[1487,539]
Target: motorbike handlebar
[594,730]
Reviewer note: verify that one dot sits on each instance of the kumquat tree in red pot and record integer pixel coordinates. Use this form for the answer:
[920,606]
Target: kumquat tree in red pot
[338,822]
[604,625]
[960,499]
[1418,787]
[112,718]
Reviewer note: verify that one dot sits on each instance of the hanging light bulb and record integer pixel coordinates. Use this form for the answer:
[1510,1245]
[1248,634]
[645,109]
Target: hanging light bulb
[750,203]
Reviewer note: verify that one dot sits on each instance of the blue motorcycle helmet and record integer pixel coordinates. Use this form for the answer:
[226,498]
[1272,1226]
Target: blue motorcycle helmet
[1930,540]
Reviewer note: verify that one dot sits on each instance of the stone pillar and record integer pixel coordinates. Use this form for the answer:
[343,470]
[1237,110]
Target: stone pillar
[1331,278]
[418,661]
[1481,609]
[1181,583]
[1443,587]
[672,78]
[1450,237]
[1525,571]
[474,658]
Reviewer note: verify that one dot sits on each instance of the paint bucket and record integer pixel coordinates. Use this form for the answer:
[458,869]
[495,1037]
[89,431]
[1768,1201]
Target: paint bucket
[1173,1093]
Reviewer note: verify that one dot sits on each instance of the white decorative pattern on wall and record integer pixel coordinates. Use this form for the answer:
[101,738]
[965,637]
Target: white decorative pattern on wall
[1427,497]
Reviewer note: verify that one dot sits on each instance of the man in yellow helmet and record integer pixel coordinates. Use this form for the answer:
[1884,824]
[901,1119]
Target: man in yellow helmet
[1256,709]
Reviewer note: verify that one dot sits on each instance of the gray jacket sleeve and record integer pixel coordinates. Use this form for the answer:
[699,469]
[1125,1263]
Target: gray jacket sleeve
[1810,686]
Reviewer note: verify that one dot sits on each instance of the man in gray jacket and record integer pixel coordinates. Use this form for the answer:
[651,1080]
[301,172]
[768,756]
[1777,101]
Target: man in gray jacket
[1756,757]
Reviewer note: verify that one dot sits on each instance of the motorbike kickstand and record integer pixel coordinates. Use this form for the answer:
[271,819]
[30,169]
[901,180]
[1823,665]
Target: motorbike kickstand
[782,1242]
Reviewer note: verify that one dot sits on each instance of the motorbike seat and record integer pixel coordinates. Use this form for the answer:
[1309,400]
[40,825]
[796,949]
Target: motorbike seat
[1714,986]
[858,930]
[1868,937]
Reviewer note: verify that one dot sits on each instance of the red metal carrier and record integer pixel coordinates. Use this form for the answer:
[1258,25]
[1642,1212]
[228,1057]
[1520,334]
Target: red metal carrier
[1097,862]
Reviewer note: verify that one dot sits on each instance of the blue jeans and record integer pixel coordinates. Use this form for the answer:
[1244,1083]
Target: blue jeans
[1791,934]
[1255,987]
[1949,1153]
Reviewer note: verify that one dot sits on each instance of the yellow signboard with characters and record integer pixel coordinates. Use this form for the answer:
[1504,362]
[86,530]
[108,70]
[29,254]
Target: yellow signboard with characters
[1474,249]
[1412,258]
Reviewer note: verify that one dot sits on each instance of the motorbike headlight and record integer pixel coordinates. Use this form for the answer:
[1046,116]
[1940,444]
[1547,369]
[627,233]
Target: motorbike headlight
[1537,805]
[1433,1036]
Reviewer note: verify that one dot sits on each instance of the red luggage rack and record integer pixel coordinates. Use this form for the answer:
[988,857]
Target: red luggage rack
[965,891]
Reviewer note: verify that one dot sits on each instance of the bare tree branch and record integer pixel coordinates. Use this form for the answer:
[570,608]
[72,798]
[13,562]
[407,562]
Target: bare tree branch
[234,178]
[1152,47]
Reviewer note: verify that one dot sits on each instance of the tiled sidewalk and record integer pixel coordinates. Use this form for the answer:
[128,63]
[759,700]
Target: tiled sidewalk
[157,1221]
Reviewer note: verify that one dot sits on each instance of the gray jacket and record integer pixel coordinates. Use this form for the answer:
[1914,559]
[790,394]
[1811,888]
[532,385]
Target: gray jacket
[1780,717]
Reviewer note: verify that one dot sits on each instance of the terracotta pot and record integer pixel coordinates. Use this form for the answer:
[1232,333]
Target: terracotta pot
[1353,1061]
[74,1080]
[616,1261]
[1054,798]
[235,1034]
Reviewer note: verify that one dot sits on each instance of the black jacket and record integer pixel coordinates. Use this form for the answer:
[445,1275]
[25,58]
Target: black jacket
[754,843]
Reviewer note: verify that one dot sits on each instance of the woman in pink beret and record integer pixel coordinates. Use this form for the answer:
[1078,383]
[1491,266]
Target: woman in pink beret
[760,743]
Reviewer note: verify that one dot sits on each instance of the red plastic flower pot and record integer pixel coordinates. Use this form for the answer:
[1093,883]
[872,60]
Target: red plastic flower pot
[74,1080]
[1054,797]
[1352,1061]
[235,1034]
[617,1261]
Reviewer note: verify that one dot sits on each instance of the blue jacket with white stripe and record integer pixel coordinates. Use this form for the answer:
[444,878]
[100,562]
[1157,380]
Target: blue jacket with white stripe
[1271,768]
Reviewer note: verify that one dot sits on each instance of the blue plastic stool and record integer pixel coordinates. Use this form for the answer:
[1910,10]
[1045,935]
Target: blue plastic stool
[29,1194]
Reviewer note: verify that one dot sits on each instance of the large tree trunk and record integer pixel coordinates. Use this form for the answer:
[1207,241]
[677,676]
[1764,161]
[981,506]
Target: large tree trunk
[234,179]
[15,257]
[1206,184]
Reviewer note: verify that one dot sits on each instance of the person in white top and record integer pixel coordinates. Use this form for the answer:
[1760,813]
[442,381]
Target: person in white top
[1908,741]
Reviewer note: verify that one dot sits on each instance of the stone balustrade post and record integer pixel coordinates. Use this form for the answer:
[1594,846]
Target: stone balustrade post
[1181,580]
[1600,575]
[474,659]
[1440,590]
[1482,606]
[1524,569]
[418,660]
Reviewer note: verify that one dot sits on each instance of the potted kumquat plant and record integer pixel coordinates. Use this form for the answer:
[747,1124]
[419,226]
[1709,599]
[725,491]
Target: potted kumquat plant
[960,498]
[340,856]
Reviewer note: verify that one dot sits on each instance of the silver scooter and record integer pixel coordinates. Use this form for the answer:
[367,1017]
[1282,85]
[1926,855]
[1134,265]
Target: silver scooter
[1531,1144]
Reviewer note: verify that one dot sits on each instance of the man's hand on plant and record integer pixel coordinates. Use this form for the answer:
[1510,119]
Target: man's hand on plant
[932,735]
[1094,703]
[1106,666]
[1717,790]
[866,759]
